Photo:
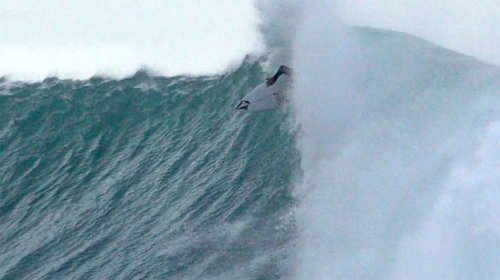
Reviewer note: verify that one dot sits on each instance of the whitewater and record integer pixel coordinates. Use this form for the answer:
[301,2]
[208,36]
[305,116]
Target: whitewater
[383,163]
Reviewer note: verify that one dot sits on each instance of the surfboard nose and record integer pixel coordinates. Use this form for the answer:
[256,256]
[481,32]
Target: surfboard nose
[243,105]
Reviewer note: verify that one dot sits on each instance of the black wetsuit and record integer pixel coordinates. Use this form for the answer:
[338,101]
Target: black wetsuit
[282,70]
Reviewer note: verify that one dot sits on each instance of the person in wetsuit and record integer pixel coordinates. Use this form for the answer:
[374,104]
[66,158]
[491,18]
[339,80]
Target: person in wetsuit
[282,70]
[269,82]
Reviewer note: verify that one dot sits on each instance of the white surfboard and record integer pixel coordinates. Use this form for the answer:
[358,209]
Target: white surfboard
[264,97]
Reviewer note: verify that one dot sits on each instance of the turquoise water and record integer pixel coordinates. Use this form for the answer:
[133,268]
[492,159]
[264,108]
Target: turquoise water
[143,177]
[392,176]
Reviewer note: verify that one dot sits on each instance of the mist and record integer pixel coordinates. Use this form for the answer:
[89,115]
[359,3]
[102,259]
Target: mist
[399,144]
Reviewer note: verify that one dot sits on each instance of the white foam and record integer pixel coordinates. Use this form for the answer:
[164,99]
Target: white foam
[78,39]
[460,240]
[382,154]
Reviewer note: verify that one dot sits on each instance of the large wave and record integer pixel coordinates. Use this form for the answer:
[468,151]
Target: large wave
[383,164]
[145,177]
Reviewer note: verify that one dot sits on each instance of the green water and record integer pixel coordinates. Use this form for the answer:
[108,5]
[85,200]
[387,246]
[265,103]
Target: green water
[143,177]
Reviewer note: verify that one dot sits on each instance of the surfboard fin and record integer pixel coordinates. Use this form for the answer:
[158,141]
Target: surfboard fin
[243,105]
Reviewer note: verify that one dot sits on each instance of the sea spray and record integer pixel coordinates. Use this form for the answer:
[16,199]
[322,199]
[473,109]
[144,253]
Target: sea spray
[389,129]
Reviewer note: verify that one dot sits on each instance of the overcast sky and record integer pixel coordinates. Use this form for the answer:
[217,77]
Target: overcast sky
[77,39]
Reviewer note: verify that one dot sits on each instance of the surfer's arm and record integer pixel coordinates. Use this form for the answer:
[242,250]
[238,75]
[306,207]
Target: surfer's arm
[282,70]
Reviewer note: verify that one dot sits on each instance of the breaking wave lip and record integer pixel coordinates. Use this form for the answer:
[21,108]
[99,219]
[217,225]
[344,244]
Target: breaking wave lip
[114,62]
[108,38]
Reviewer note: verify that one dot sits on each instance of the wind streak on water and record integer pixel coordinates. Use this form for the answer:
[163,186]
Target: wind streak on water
[145,177]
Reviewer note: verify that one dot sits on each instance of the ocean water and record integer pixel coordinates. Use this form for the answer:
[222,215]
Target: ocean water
[386,166]
[145,177]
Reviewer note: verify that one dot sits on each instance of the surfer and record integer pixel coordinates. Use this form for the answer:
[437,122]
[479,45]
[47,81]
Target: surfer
[266,95]
[282,70]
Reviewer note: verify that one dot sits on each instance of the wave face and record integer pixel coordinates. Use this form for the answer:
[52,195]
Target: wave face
[145,177]
[382,165]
